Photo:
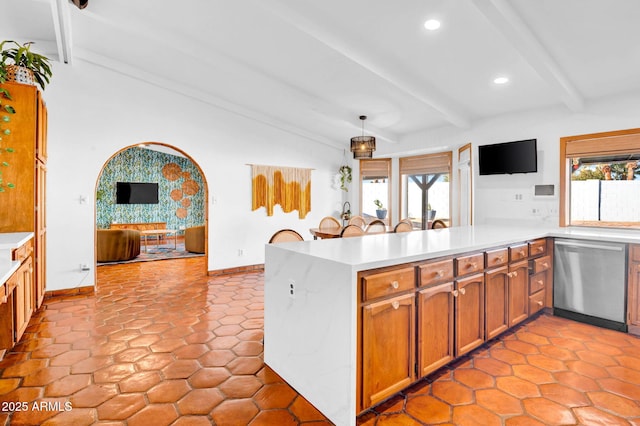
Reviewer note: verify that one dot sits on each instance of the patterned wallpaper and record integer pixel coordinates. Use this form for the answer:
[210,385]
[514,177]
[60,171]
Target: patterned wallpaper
[180,190]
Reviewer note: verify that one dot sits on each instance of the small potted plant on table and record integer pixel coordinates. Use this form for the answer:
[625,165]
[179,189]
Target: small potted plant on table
[381,211]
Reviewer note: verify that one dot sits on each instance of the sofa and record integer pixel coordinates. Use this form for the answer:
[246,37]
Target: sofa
[117,244]
[194,239]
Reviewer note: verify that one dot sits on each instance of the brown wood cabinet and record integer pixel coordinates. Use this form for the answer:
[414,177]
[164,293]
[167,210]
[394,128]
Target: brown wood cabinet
[418,317]
[634,290]
[27,171]
[496,301]
[23,298]
[387,333]
[518,292]
[435,327]
[469,313]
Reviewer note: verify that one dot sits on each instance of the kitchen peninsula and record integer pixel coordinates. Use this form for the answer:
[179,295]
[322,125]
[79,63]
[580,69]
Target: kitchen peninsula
[350,322]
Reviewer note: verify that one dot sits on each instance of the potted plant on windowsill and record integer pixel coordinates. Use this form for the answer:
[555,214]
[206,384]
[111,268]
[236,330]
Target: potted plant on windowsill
[381,212]
[431,214]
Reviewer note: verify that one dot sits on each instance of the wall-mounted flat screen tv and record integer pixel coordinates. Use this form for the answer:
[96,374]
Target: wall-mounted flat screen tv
[136,193]
[508,157]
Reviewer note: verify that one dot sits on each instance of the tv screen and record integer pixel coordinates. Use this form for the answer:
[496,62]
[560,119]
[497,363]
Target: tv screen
[508,157]
[136,193]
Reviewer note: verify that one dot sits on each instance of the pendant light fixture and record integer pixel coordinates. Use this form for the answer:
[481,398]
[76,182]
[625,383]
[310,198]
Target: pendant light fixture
[363,146]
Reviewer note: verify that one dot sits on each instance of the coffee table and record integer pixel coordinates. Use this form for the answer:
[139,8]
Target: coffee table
[159,232]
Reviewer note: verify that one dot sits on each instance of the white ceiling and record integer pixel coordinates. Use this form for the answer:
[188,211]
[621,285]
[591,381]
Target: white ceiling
[312,67]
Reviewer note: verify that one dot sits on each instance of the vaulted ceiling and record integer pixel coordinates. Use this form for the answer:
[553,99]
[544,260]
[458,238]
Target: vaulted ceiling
[312,67]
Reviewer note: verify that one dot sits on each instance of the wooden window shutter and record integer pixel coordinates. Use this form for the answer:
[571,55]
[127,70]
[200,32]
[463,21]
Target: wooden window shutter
[430,163]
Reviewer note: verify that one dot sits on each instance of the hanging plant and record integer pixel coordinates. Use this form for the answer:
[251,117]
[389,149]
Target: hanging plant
[345,177]
[5,111]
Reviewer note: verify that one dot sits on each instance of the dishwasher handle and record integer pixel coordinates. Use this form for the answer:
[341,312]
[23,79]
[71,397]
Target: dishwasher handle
[618,248]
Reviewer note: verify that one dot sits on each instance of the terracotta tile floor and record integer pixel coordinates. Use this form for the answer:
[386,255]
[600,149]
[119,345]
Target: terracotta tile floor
[160,344]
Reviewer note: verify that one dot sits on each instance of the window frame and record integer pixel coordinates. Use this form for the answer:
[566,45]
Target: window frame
[367,165]
[437,160]
[593,144]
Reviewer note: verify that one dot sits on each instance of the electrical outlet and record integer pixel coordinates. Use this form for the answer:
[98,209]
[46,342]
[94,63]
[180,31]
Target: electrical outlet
[240,252]
[292,289]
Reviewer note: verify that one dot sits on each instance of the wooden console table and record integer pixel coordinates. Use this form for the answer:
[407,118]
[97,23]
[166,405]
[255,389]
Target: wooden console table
[140,226]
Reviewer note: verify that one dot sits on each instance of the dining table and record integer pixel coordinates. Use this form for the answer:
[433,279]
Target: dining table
[335,232]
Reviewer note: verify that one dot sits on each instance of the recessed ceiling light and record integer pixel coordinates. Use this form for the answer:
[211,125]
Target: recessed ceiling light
[501,80]
[432,24]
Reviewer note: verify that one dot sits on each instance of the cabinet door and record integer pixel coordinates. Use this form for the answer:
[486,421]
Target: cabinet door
[41,235]
[388,335]
[634,297]
[518,292]
[496,301]
[435,328]
[23,301]
[469,313]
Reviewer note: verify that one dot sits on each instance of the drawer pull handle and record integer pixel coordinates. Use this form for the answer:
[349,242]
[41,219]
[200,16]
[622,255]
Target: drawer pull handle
[473,265]
[455,293]
[540,283]
[510,274]
[515,273]
[540,249]
[463,291]
[545,265]
[395,284]
[395,304]
[521,253]
[539,302]
[500,259]
[440,274]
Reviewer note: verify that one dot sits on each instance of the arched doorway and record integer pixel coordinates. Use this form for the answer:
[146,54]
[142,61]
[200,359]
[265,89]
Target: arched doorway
[174,195]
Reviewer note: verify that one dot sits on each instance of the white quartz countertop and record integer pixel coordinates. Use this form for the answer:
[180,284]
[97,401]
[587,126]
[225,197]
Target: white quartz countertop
[379,250]
[8,242]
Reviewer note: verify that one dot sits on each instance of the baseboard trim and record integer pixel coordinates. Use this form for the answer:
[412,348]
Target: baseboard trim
[78,291]
[237,270]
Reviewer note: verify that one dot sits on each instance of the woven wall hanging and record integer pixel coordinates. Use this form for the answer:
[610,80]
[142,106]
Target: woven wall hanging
[287,186]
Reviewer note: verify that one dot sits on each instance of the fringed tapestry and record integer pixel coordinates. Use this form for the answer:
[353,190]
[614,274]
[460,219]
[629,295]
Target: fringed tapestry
[287,186]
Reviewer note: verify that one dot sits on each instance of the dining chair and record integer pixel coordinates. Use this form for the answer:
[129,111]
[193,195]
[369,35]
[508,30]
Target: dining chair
[376,227]
[351,231]
[329,222]
[438,223]
[285,236]
[407,220]
[403,227]
[359,221]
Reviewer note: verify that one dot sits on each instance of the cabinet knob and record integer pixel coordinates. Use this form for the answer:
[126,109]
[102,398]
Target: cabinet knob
[539,302]
[521,252]
[540,249]
[515,273]
[510,274]
[473,265]
[395,284]
[440,273]
[455,293]
[501,258]
[395,304]
[463,291]
[545,265]
[540,282]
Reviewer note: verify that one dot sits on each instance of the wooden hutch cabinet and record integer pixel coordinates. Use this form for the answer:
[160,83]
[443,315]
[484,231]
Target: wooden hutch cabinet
[23,207]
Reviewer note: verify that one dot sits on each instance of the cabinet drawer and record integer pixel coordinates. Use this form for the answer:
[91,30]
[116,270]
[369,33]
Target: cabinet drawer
[497,257]
[536,302]
[538,247]
[635,252]
[518,252]
[435,272]
[387,283]
[537,282]
[541,264]
[469,264]
[22,252]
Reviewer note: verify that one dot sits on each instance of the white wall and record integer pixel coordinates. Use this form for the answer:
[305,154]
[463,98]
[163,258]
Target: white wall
[94,112]
[494,196]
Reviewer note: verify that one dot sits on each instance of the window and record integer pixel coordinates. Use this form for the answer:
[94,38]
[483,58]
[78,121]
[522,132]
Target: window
[600,180]
[375,185]
[425,187]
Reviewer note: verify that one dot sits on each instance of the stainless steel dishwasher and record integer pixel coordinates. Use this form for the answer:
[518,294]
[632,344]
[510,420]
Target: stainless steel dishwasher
[590,281]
